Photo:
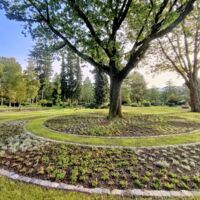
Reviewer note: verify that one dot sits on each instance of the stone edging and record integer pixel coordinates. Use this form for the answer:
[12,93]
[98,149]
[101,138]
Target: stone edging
[79,188]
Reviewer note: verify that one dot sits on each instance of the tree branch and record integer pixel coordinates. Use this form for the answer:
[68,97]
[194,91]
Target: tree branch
[178,54]
[82,15]
[120,18]
[172,62]
[68,43]
[186,47]
[188,8]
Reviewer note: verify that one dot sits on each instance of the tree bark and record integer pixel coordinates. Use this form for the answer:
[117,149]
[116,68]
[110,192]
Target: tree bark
[115,98]
[194,98]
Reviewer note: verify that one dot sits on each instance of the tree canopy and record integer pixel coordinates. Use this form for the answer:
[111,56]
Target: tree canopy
[111,35]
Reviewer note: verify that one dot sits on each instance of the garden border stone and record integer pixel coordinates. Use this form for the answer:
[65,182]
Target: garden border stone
[79,188]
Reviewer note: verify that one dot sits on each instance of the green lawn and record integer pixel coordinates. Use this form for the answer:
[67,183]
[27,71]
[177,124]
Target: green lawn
[36,126]
[14,190]
[37,118]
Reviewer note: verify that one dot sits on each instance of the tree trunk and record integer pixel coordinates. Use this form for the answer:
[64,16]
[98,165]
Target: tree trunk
[194,98]
[115,98]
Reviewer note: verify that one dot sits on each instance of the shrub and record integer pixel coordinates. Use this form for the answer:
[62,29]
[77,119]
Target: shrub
[49,104]
[146,104]
[91,105]
[156,103]
[134,105]
[43,102]
[185,107]
[171,104]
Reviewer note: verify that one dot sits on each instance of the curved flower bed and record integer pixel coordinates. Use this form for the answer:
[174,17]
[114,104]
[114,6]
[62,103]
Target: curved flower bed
[132,126]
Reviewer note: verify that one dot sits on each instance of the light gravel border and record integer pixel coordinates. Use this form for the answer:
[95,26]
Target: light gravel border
[79,188]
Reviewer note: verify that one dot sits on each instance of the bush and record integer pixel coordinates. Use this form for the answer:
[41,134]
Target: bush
[181,102]
[103,106]
[173,99]
[134,105]
[156,103]
[49,104]
[185,106]
[43,102]
[171,104]
[146,104]
[91,105]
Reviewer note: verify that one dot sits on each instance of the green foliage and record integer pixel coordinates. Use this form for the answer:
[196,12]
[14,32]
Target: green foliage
[32,82]
[100,87]
[137,87]
[41,59]
[70,77]
[87,91]
[99,32]
[13,85]
[56,95]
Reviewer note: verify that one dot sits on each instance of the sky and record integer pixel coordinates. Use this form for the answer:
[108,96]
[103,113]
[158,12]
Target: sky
[14,44]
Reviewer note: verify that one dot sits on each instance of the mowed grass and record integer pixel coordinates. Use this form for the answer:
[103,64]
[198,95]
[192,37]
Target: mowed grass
[15,190]
[36,127]
[36,119]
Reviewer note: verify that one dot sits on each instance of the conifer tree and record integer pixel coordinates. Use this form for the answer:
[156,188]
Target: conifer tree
[100,87]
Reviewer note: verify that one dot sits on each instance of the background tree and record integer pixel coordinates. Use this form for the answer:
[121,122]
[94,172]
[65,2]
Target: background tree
[43,67]
[11,77]
[137,87]
[32,83]
[70,77]
[100,87]
[20,89]
[87,91]
[180,53]
[56,95]
[154,96]
[94,30]
[1,83]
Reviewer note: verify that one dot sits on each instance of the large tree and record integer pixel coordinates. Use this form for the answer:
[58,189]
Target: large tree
[112,35]
[180,52]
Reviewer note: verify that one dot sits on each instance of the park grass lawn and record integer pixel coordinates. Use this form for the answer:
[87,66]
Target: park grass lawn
[36,126]
[35,119]
[14,190]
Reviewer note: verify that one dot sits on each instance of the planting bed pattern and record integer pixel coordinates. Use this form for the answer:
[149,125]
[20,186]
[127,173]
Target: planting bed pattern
[169,168]
[137,125]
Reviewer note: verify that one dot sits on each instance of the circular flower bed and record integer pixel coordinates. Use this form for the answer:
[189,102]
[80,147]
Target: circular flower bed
[138,125]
